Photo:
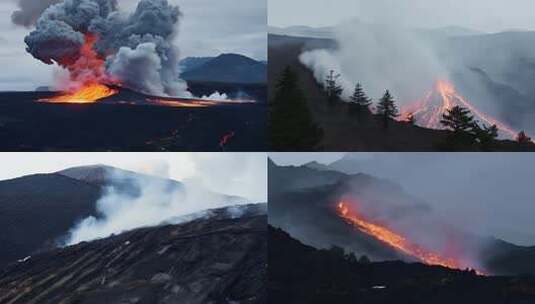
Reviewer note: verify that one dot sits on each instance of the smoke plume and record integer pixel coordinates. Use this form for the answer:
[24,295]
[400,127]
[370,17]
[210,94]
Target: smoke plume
[30,10]
[379,57]
[139,201]
[89,37]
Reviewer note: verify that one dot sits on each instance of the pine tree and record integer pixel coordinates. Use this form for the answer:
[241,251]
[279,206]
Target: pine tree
[290,122]
[334,90]
[359,100]
[458,119]
[387,109]
[485,136]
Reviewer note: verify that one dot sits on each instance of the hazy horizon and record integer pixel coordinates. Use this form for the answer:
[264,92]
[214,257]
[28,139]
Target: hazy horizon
[498,15]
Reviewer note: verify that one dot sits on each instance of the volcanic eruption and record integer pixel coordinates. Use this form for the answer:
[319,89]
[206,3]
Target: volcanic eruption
[428,111]
[102,48]
[397,240]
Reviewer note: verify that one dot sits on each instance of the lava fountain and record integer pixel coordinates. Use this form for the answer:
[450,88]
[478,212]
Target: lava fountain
[87,77]
[396,240]
[428,111]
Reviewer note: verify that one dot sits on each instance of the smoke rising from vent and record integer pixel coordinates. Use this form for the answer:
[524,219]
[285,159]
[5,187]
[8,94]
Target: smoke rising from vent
[136,50]
[132,200]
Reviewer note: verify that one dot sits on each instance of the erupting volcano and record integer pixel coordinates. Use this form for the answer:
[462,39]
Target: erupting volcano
[428,111]
[396,240]
[87,75]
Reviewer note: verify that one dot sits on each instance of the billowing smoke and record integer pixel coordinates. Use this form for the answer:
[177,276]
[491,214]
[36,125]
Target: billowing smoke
[136,50]
[379,57]
[30,10]
[140,201]
[132,200]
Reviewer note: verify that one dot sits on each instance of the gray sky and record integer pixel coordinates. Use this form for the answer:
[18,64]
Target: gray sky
[243,174]
[208,28]
[488,193]
[482,15]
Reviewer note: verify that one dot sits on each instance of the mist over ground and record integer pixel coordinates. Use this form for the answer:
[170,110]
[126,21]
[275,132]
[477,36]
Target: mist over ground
[487,193]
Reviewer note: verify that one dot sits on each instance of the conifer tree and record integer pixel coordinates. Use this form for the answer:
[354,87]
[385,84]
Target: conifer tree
[333,89]
[359,100]
[290,122]
[387,108]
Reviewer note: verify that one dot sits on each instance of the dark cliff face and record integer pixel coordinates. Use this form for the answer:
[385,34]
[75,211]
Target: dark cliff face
[213,260]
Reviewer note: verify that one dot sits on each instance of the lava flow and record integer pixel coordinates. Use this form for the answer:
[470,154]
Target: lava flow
[428,112]
[396,240]
[194,103]
[88,74]
[86,94]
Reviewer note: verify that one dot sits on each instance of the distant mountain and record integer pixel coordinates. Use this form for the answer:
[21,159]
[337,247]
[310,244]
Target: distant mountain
[208,260]
[303,31]
[316,165]
[190,63]
[450,31]
[227,68]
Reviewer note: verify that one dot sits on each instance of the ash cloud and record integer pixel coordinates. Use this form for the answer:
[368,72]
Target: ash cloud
[30,10]
[124,41]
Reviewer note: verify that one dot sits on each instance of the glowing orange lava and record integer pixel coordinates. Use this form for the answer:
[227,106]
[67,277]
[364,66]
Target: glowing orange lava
[87,75]
[193,103]
[428,112]
[395,240]
[86,94]
[186,103]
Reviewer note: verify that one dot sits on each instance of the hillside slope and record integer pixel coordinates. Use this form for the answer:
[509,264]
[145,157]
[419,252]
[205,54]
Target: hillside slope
[203,261]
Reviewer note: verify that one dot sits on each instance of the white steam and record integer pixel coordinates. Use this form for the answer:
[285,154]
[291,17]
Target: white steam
[131,201]
[380,57]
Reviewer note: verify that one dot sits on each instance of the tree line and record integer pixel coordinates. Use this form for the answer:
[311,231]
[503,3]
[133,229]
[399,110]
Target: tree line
[292,127]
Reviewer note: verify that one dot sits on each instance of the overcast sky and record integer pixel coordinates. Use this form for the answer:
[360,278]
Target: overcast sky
[488,193]
[208,28]
[482,15]
[242,174]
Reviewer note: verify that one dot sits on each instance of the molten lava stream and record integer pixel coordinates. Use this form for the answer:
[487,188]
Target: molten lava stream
[429,113]
[396,240]
[86,94]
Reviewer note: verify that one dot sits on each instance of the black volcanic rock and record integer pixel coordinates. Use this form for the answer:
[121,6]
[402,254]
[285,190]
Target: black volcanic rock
[203,261]
[228,68]
[300,274]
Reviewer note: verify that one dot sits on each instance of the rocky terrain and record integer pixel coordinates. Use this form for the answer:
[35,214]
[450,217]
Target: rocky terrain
[217,259]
